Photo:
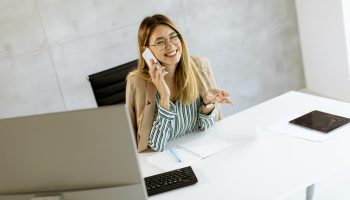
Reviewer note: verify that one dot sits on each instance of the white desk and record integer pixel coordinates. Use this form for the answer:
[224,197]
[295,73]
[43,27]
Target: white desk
[272,166]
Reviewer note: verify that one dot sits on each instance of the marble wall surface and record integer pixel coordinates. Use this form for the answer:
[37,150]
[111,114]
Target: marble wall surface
[47,47]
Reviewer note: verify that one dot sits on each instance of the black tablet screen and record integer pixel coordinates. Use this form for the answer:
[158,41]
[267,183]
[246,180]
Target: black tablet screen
[320,121]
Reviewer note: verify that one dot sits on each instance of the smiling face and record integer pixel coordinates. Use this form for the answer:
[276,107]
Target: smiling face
[165,44]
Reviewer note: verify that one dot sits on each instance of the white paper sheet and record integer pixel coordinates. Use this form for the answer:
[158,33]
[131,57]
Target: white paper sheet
[165,160]
[204,145]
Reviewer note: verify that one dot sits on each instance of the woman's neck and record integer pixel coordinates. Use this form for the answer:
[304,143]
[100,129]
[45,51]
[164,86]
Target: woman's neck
[170,80]
[170,77]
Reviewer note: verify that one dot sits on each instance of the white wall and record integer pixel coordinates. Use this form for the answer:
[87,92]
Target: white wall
[325,44]
[346,18]
[47,47]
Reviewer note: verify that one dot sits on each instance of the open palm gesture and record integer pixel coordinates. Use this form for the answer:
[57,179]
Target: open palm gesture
[214,95]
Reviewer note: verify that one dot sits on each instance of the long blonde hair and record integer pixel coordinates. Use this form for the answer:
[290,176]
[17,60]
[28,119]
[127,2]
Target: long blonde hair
[189,82]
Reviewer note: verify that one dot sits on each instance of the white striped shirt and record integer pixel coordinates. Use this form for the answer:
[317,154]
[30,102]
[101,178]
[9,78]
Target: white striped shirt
[179,120]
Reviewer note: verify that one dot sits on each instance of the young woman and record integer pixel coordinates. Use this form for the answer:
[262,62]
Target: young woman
[174,96]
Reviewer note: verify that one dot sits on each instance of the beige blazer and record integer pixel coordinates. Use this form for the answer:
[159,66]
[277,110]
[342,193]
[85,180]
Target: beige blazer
[141,102]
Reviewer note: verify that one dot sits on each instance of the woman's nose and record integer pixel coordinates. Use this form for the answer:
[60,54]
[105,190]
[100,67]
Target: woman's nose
[168,44]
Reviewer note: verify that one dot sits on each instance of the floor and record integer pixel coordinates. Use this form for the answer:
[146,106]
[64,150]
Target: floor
[334,187]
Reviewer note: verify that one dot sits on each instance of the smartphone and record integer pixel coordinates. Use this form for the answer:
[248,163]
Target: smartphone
[148,55]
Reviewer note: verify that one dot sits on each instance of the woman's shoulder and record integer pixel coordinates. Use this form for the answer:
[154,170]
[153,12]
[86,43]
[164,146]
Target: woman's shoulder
[201,62]
[199,59]
[136,81]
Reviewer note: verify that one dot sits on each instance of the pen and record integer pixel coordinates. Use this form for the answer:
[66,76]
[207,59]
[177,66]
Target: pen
[174,154]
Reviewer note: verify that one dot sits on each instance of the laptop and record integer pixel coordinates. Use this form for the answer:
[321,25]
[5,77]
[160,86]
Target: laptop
[84,154]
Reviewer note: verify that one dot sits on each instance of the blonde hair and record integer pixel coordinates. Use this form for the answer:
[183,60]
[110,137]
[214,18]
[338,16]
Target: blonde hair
[189,82]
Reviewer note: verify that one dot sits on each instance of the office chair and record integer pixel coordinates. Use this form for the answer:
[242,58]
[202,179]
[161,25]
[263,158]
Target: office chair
[109,85]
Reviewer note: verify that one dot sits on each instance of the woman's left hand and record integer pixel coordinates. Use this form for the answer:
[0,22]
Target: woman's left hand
[214,95]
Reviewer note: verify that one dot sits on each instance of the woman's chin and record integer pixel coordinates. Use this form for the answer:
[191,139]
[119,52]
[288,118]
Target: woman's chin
[171,61]
[165,64]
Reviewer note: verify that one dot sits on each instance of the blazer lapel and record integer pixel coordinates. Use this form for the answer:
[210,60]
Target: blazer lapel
[148,116]
[150,93]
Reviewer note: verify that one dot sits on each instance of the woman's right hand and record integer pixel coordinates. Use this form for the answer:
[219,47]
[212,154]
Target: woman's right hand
[157,73]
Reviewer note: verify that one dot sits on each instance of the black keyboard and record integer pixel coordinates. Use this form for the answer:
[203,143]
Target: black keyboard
[170,180]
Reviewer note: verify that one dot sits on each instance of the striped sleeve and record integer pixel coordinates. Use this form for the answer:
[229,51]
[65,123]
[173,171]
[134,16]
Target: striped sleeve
[163,126]
[206,121]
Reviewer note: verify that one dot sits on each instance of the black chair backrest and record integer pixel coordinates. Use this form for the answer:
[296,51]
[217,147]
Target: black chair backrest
[109,85]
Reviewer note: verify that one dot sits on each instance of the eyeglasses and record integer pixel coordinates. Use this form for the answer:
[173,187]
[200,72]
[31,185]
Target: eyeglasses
[161,43]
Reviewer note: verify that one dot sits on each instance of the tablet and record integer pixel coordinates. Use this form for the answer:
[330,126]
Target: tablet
[320,121]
